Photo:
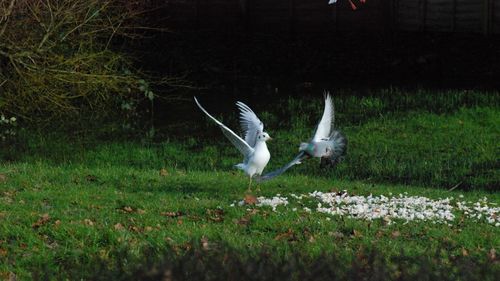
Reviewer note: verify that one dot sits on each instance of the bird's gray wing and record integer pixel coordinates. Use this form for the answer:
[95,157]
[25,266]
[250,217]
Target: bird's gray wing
[301,156]
[325,125]
[337,146]
[237,141]
[250,123]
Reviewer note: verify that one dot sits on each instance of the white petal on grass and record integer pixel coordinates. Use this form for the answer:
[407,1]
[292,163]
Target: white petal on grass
[272,202]
[401,207]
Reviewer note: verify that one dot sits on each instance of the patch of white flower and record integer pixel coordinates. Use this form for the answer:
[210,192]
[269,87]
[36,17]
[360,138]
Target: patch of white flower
[407,208]
[272,202]
[480,210]
[390,209]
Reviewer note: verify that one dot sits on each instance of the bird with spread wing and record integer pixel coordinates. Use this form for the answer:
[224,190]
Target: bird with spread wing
[253,147]
[327,143]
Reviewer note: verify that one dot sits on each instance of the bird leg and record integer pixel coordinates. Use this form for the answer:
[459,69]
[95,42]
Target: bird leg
[250,185]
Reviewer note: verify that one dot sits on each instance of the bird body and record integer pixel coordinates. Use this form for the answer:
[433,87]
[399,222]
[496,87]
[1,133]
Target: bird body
[257,161]
[327,143]
[253,147]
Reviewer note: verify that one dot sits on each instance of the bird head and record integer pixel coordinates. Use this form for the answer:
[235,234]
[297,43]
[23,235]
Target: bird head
[307,147]
[263,137]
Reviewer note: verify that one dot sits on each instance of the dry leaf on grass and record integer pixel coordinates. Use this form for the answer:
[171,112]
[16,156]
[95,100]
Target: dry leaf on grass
[215,215]
[163,172]
[91,178]
[204,243]
[3,178]
[356,233]
[289,236]
[396,234]
[243,221]
[41,221]
[492,254]
[171,214]
[250,200]
[88,222]
[465,252]
[118,226]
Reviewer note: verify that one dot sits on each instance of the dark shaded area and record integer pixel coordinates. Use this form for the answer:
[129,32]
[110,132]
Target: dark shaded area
[223,263]
[235,61]
[235,64]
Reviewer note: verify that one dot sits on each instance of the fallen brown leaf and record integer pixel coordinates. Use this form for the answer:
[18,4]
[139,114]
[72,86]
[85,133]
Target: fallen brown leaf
[134,228]
[9,193]
[356,233]
[88,222]
[336,234]
[141,211]
[148,228]
[163,172]
[215,215]
[171,214]
[242,221]
[204,243]
[91,178]
[250,200]
[465,252]
[253,211]
[492,254]
[3,178]
[312,239]
[289,236]
[41,221]
[396,234]
[118,226]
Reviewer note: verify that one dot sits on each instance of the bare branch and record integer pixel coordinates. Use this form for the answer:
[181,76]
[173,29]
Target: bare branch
[5,17]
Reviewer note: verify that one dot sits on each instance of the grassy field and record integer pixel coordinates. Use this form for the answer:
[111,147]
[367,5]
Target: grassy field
[73,207]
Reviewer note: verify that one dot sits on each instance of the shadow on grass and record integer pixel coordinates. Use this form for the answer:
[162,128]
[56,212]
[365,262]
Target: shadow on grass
[217,262]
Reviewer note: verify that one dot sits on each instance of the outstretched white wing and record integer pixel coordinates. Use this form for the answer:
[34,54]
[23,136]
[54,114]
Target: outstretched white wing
[325,126]
[250,123]
[238,142]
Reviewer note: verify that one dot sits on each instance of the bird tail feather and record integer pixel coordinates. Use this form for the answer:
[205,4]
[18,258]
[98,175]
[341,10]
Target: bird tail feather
[339,146]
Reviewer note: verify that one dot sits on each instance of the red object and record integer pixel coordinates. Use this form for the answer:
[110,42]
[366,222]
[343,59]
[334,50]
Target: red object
[352,5]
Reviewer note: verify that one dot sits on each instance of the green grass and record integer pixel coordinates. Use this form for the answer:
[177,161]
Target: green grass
[95,210]
[103,198]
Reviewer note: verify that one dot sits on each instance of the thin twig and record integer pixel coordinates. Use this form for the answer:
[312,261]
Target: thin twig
[6,16]
[454,187]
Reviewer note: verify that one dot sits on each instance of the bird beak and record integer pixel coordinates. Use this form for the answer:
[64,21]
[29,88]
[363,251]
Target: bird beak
[270,138]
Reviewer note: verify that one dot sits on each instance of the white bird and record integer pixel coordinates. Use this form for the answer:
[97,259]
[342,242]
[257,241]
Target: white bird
[253,147]
[327,143]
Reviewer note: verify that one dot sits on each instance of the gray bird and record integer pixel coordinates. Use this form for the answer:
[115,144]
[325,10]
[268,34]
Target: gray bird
[327,143]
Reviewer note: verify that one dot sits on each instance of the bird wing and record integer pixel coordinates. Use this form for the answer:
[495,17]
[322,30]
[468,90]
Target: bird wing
[237,141]
[325,126]
[250,124]
[301,156]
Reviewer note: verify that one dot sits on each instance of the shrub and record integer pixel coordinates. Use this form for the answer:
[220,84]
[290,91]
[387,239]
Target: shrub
[59,61]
